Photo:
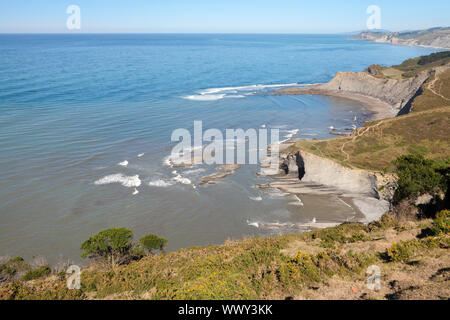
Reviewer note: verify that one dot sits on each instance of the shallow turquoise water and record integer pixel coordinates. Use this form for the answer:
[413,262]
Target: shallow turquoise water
[74,106]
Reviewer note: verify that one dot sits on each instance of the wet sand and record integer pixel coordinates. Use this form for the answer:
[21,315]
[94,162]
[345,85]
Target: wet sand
[381,109]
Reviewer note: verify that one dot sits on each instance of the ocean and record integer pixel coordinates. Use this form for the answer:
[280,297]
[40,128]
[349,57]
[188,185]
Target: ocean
[86,123]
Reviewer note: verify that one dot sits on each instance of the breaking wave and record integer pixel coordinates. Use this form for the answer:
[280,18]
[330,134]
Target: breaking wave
[126,181]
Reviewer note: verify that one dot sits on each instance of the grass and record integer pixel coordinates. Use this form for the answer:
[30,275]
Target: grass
[428,99]
[412,67]
[385,140]
[257,268]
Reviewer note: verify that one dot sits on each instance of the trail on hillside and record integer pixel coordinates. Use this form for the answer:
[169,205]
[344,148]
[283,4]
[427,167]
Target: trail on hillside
[431,87]
[358,135]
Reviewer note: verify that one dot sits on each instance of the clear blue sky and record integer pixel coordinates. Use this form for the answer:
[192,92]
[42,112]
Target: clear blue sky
[224,16]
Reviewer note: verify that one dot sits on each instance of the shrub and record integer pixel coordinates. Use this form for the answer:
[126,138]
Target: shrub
[13,268]
[401,251]
[433,57]
[417,175]
[113,245]
[441,225]
[37,273]
[153,242]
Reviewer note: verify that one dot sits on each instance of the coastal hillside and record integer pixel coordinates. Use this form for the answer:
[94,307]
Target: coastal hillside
[378,143]
[409,244]
[423,129]
[434,37]
[397,87]
[322,264]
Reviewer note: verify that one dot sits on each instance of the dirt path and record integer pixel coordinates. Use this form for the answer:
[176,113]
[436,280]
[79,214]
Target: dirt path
[358,135]
[431,87]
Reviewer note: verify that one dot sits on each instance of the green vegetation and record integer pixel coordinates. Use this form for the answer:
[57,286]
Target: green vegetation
[404,251]
[434,57]
[435,94]
[259,268]
[13,268]
[152,242]
[116,246]
[113,245]
[412,67]
[441,224]
[345,233]
[376,145]
[417,176]
[37,273]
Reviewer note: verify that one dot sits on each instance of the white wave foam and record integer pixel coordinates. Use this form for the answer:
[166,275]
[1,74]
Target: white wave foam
[182,180]
[126,181]
[193,171]
[135,192]
[233,92]
[291,133]
[201,97]
[253,224]
[123,163]
[271,225]
[160,183]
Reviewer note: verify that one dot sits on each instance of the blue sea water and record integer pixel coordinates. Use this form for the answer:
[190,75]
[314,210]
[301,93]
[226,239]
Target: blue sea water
[72,107]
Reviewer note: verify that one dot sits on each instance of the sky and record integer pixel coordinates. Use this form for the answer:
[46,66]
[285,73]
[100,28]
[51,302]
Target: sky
[224,16]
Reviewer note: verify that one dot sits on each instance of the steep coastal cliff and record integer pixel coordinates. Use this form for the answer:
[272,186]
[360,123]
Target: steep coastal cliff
[397,93]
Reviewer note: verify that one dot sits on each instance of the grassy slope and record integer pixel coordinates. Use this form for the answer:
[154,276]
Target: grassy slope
[378,143]
[325,264]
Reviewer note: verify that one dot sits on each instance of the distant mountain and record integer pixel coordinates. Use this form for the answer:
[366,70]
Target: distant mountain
[435,37]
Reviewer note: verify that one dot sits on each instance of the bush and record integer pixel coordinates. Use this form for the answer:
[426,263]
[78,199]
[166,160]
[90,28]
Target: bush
[153,242]
[13,268]
[402,251]
[37,273]
[113,245]
[417,175]
[433,57]
[441,225]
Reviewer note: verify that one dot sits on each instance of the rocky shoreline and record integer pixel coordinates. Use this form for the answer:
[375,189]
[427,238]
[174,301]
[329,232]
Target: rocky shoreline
[386,97]
[369,193]
[438,38]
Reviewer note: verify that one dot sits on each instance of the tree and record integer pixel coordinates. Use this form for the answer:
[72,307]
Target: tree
[417,175]
[153,242]
[113,245]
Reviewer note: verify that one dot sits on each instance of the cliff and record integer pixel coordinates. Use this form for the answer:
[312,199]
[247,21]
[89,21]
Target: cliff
[434,37]
[397,93]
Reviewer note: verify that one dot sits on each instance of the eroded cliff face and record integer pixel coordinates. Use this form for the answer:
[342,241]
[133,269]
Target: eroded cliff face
[327,172]
[370,192]
[397,93]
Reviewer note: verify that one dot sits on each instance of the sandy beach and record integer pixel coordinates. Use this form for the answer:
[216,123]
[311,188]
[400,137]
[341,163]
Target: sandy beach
[382,109]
